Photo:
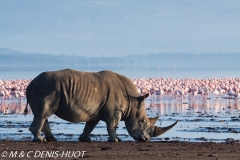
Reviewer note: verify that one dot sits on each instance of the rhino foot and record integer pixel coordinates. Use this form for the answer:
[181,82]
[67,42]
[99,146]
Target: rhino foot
[119,140]
[39,140]
[84,139]
[114,139]
[51,139]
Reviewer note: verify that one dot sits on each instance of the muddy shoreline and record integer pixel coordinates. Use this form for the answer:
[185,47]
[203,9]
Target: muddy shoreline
[121,150]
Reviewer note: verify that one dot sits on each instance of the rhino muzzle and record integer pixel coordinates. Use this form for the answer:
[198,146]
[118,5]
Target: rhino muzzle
[160,130]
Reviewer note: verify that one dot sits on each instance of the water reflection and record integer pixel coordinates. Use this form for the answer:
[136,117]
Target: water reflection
[13,105]
[188,106]
[166,105]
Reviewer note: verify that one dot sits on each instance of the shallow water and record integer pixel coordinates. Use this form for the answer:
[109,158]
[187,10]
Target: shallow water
[212,118]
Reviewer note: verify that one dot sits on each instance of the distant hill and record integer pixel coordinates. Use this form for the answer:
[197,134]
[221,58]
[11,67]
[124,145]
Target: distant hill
[15,60]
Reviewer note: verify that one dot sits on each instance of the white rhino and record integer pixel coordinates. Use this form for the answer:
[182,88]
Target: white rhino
[77,96]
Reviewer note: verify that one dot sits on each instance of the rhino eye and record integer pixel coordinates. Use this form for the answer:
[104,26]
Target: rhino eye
[143,121]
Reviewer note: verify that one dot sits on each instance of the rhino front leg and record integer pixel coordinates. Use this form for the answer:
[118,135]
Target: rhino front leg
[47,131]
[36,127]
[89,126]
[112,124]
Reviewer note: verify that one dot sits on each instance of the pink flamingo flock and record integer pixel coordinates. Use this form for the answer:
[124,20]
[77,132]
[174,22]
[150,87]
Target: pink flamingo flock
[154,86]
[193,86]
[13,88]
[12,92]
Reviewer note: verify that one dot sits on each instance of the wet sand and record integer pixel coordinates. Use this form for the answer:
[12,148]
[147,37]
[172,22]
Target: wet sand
[123,150]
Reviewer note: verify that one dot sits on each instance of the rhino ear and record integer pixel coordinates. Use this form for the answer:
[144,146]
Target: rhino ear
[141,98]
[131,98]
[153,120]
[146,95]
[135,99]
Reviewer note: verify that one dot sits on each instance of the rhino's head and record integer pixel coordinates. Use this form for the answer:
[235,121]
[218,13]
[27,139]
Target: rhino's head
[139,126]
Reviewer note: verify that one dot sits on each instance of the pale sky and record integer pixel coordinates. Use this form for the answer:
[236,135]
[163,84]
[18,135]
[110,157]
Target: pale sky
[118,28]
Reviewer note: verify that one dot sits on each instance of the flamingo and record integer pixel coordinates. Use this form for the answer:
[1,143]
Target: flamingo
[216,92]
[231,93]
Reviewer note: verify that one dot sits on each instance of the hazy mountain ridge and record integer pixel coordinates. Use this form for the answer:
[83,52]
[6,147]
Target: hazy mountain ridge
[14,60]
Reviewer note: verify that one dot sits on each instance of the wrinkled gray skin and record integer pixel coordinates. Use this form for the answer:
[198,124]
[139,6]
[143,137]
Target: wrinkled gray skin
[89,97]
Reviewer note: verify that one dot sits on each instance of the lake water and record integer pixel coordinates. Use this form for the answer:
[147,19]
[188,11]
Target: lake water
[212,118]
[201,119]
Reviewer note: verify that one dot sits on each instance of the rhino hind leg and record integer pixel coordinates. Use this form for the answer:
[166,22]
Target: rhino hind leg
[36,127]
[89,126]
[47,131]
[42,108]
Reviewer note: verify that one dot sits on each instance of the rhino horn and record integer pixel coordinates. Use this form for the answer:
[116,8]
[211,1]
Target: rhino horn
[160,130]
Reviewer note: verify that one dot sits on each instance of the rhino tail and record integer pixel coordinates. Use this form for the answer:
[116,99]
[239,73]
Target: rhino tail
[26,109]
[29,88]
